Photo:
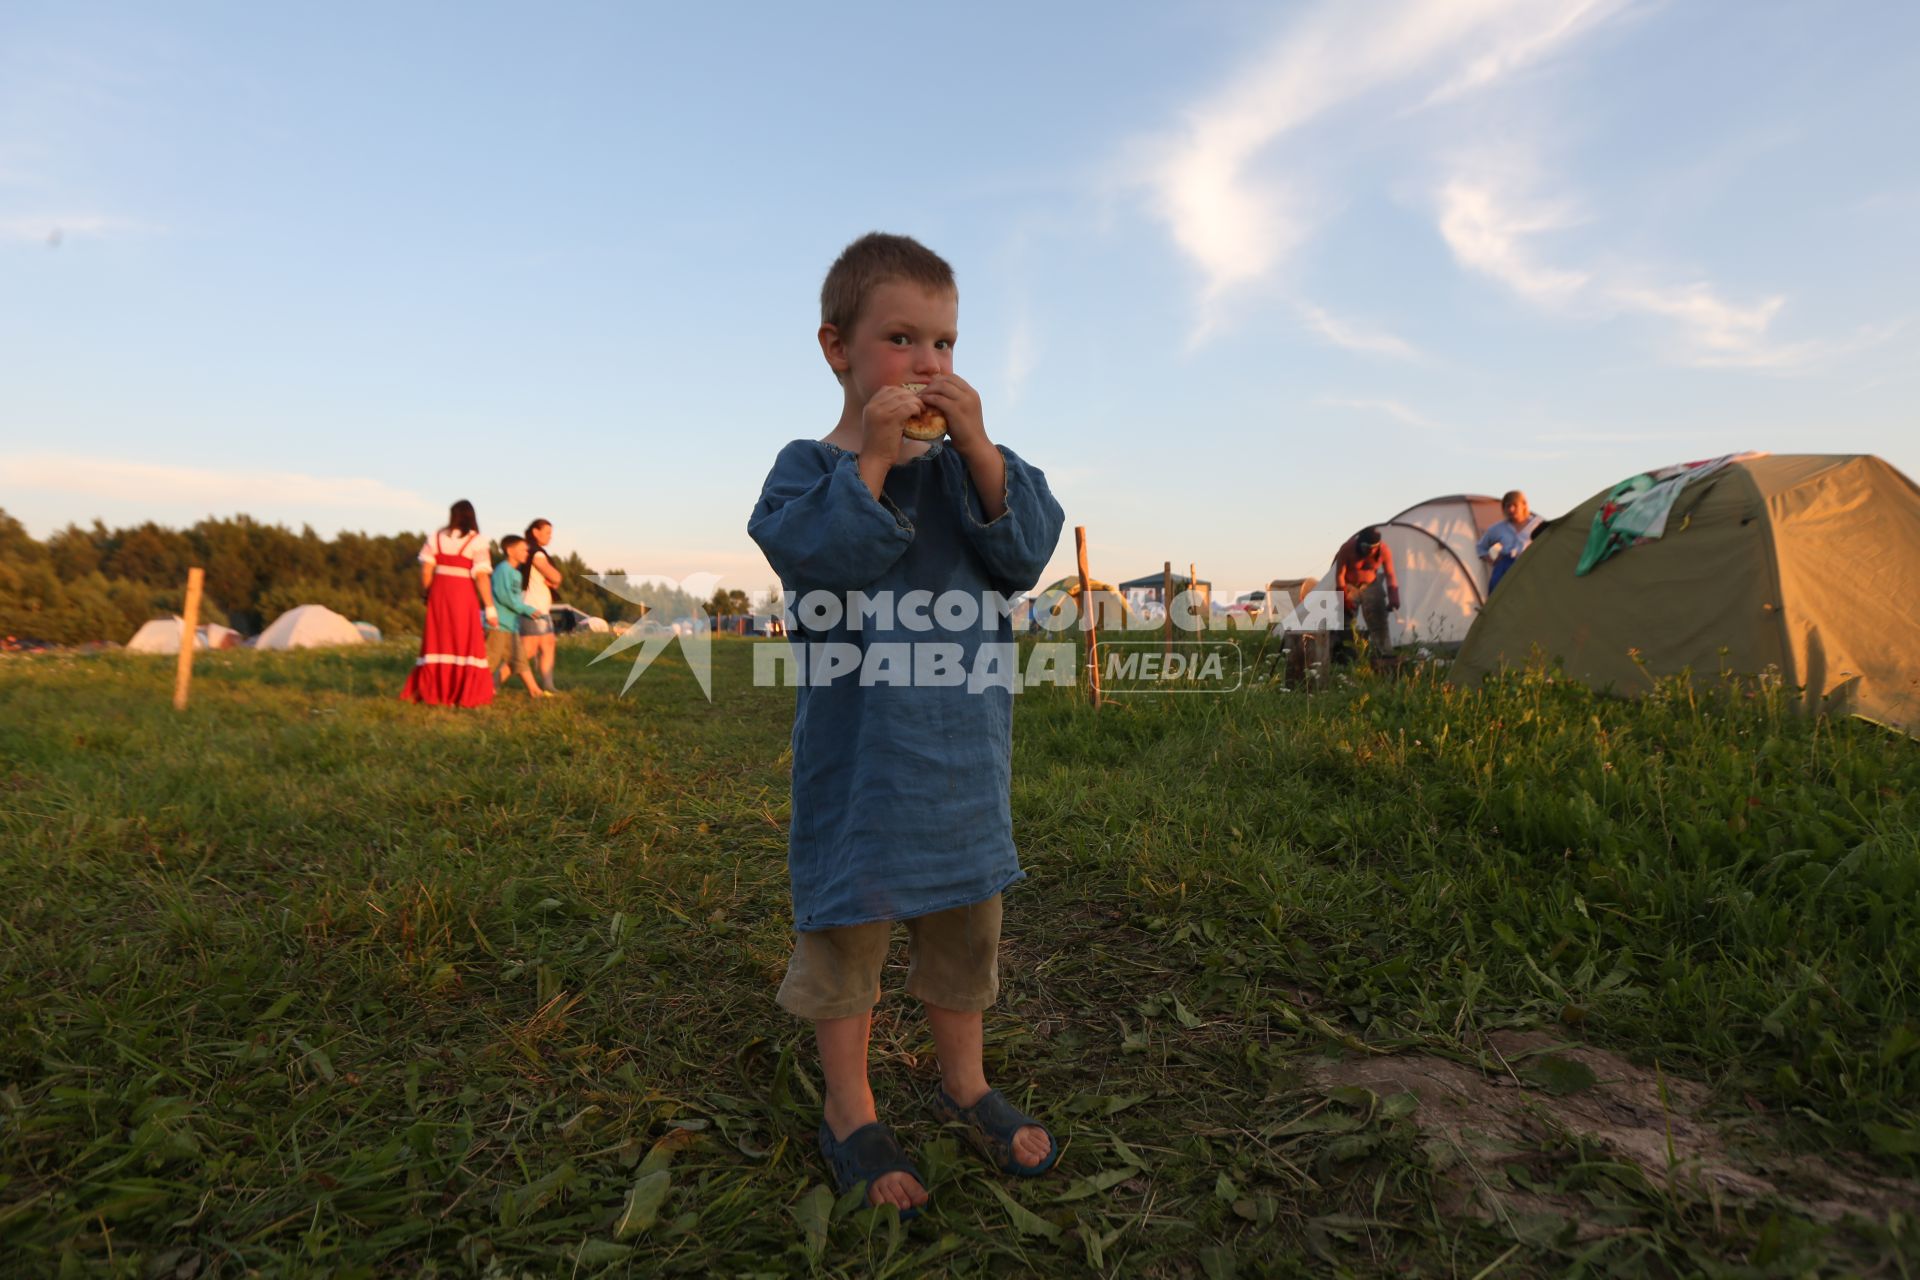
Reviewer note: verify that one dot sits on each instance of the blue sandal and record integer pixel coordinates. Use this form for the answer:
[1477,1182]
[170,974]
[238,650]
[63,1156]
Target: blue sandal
[991,1124]
[864,1155]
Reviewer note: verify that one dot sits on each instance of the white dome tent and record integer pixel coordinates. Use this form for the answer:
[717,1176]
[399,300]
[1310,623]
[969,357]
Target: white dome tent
[162,635]
[309,626]
[1443,580]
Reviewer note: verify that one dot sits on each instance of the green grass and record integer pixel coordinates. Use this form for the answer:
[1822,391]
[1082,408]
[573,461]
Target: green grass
[311,981]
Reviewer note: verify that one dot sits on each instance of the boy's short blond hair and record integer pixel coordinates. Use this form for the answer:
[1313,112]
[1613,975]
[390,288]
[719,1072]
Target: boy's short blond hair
[870,262]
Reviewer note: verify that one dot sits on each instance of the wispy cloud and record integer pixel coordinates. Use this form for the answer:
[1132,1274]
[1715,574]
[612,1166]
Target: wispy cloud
[1357,336]
[53,228]
[1492,219]
[1901,201]
[1511,455]
[1489,231]
[1238,223]
[1715,331]
[203,487]
[1526,45]
[1023,352]
[739,567]
[1390,408]
[1591,436]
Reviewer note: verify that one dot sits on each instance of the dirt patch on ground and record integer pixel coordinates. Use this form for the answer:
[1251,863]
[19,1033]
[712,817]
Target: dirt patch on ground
[1539,1092]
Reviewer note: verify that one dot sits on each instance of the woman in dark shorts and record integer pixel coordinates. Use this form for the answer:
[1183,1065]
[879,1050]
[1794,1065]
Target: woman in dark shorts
[538,577]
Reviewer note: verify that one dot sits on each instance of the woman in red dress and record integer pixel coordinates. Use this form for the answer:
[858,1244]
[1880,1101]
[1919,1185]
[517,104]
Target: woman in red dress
[455,573]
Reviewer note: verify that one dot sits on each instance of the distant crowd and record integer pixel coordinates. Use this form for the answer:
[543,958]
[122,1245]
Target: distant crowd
[467,655]
[1369,589]
[487,624]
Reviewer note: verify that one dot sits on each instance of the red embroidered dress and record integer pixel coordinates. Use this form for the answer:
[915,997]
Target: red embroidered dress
[452,670]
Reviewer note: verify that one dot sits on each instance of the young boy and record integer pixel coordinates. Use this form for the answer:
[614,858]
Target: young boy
[900,786]
[505,651]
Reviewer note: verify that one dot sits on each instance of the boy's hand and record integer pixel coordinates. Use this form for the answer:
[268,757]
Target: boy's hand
[883,425]
[954,397]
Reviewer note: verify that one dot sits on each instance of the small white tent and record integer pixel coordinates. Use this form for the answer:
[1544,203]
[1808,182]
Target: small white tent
[162,635]
[308,626]
[1443,581]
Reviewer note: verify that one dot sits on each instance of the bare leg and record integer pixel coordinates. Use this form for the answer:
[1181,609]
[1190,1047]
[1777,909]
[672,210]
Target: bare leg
[549,648]
[526,667]
[843,1060]
[959,1038]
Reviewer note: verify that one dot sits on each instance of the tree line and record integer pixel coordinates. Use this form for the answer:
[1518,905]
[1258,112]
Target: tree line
[101,584]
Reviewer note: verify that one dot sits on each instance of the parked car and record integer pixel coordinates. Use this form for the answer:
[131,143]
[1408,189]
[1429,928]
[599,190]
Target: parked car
[567,619]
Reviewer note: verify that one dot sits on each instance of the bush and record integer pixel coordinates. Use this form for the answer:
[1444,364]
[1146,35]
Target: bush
[101,584]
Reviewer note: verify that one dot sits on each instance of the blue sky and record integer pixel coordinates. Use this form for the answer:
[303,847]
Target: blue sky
[1240,277]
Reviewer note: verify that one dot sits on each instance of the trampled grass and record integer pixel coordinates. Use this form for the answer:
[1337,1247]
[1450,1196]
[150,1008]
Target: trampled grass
[310,981]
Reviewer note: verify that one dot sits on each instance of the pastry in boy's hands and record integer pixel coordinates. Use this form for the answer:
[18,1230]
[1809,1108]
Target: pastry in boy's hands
[929,423]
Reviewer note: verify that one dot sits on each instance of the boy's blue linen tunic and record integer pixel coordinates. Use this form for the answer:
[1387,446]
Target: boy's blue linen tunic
[900,791]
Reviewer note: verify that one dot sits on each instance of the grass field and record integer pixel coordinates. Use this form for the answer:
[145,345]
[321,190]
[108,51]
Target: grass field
[310,981]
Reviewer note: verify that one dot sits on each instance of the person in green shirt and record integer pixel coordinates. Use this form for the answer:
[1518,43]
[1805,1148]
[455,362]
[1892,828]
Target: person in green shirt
[504,647]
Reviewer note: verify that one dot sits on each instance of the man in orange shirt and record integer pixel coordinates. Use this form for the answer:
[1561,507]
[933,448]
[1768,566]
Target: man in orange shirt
[1364,571]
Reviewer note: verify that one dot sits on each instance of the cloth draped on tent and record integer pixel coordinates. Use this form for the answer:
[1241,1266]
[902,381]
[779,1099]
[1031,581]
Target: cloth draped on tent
[1637,508]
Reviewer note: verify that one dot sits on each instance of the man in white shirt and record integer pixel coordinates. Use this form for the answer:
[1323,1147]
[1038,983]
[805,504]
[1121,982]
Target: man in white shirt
[1502,544]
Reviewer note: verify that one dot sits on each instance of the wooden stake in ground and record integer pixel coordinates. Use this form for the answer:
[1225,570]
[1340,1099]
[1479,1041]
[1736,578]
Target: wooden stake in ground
[1166,607]
[1087,612]
[189,627]
[1193,585]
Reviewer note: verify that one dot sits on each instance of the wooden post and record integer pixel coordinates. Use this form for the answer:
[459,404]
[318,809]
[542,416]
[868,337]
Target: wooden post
[1087,612]
[1166,607]
[1193,585]
[189,629]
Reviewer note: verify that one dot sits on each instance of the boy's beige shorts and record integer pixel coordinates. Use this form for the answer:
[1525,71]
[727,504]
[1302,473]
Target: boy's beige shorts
[504,646]
[953,960]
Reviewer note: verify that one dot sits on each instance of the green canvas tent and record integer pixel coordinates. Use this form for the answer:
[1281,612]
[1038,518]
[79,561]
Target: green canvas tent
[1803,564]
